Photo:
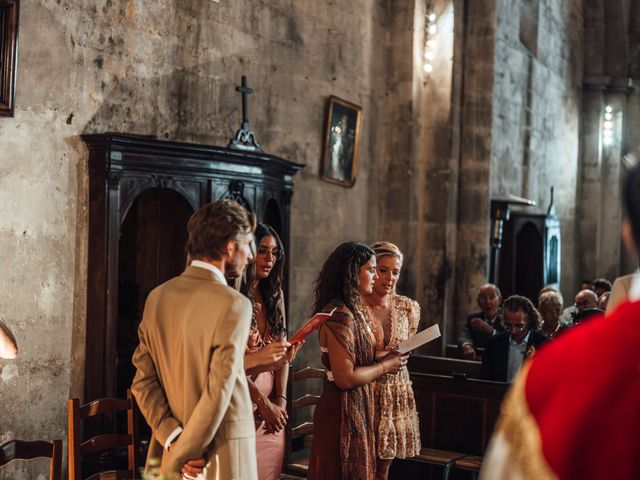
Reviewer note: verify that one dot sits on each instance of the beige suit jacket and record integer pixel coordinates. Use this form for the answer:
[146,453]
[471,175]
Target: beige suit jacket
[619,292]
[190,373]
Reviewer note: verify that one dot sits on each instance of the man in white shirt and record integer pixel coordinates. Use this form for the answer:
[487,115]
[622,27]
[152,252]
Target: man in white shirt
[506,351]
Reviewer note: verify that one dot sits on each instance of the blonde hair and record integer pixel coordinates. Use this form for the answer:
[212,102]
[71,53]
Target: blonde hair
[385,249]
[550,297]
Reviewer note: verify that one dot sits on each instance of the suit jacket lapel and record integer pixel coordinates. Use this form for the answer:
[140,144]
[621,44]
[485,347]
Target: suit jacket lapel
[503,356]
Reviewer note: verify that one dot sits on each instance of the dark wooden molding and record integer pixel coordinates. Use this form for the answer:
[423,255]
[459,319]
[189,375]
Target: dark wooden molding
[9,15]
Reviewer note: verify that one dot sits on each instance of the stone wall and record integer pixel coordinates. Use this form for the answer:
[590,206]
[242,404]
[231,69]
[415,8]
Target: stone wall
[167,69]
[536,118]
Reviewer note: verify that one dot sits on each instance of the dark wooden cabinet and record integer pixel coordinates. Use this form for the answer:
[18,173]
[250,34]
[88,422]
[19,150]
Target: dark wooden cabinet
[141,194]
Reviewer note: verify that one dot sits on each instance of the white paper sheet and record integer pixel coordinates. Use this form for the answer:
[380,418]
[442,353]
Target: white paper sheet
[420,338]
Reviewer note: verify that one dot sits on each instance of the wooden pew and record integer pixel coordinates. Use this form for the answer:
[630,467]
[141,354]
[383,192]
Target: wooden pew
[457,417]
[454,351]
[445,366]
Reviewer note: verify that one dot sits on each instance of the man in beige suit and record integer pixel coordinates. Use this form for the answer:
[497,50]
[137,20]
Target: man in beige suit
[190,381]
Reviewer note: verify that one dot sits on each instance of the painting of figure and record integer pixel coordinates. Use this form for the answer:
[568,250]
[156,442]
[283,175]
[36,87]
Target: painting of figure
[340,153]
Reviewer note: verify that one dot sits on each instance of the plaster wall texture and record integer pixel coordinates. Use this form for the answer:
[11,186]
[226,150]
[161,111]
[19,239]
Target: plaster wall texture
[168,69]
[474,160]
[536,121]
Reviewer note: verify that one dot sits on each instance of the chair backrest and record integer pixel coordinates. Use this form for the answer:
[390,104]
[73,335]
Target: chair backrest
[305,429]
[79,449]
[25,450]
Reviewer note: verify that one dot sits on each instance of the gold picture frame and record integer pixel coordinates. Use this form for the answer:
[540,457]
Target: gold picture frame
[343,130]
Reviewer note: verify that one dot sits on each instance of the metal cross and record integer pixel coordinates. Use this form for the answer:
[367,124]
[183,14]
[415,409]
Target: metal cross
[244,138]
[245,91]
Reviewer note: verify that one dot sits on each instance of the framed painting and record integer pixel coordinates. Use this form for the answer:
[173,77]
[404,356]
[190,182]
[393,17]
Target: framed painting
[342,140]
[552,251]
[8,55]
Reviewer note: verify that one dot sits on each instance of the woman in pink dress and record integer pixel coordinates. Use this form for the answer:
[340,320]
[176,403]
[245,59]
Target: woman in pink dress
[268,353]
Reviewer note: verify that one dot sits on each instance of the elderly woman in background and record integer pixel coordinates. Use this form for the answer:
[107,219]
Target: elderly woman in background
[344,420]
[395,318]
[550,308]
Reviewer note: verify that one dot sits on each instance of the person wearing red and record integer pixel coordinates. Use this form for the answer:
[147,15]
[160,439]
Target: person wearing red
[574,409]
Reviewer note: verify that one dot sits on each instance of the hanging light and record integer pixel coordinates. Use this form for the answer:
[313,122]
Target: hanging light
[430,30]
[607,126]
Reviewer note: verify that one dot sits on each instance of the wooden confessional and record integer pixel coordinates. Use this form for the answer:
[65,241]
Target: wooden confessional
[141,194]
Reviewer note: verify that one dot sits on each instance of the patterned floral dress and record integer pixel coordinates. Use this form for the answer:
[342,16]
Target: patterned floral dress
[344,431]
[398,431]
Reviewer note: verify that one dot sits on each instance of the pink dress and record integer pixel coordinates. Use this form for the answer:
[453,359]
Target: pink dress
[269,447]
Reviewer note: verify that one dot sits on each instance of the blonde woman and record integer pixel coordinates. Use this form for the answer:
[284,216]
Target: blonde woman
[395,318]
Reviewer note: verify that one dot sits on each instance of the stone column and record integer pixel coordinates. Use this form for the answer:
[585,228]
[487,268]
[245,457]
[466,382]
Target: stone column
[478,24]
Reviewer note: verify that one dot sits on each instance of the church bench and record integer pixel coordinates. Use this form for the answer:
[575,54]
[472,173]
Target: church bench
[457,416]
[454,351]
[444,366]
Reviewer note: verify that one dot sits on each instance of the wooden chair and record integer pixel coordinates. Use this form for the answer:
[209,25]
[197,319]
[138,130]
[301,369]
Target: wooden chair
[24,450]
[304,431]
[79,450]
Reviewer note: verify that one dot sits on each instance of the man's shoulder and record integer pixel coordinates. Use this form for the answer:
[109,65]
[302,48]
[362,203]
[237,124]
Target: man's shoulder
[212,290]
[623,284]
[625,279]
[221,294]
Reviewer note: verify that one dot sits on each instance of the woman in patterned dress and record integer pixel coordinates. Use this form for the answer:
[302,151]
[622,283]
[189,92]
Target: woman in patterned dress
[268,353]
[394,318]
[344,432]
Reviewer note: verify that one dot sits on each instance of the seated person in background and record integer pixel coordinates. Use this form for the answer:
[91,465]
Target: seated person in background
[587,313]
[593,370]
[586,285]
[568,313]
[550,307]
[600,286]
[480,326]
[585,299]
[548,288]
[506,351]
[603,300]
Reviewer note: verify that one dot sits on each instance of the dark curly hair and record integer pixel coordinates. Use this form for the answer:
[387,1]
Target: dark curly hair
[517,303]
[338,279]
[270,287]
